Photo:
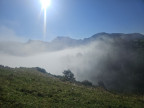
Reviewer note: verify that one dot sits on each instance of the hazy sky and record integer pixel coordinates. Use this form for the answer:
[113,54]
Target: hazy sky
[23,19]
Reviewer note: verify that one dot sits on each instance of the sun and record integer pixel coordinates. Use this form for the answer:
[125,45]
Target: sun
[45,3]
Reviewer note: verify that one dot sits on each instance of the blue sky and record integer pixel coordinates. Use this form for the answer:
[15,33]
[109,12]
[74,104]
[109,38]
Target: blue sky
[23,19]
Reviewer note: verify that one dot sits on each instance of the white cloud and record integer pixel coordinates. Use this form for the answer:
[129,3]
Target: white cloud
[8,34]
[80,60]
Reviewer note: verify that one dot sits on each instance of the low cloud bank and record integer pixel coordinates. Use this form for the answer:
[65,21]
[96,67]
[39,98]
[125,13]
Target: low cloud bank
[116,63]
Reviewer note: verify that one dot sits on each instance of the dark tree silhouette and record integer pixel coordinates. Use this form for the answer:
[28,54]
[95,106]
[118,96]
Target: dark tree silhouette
[68,75]
[101,84]
[41,70]
[86,83]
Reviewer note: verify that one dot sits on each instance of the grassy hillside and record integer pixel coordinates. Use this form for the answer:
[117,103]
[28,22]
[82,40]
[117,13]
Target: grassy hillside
[29,88]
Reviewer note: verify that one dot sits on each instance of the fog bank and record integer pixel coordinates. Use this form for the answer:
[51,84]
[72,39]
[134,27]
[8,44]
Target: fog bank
[115,62]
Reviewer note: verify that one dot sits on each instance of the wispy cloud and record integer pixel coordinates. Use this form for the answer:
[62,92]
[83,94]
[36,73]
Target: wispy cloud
[8,34]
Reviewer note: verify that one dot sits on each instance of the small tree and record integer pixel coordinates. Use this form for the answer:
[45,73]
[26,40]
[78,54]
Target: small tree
[101,84]
[86,83]
[68,75]
[41,70]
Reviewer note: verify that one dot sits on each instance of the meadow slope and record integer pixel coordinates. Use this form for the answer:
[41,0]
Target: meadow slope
[29,88]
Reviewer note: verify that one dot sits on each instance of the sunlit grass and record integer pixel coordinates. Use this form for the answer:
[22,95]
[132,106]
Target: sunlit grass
[28,88]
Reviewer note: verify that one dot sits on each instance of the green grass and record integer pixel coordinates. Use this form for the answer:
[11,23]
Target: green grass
[29,88]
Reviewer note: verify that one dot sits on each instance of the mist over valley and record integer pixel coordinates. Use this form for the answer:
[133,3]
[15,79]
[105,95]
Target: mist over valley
[116,59]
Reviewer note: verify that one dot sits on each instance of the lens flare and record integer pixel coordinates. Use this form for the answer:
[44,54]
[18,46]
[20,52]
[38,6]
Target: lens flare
[45,4]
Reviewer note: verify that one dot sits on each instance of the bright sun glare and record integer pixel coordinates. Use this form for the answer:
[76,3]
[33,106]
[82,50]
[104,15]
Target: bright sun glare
[45,3]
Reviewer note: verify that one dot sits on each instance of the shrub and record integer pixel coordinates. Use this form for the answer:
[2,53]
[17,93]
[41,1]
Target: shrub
[86,83]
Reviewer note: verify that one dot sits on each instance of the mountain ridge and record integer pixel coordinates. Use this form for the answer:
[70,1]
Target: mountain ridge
[60,43]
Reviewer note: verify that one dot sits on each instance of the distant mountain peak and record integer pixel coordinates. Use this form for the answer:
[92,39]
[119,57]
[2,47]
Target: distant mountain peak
[63,39]
[102,33]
